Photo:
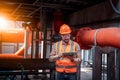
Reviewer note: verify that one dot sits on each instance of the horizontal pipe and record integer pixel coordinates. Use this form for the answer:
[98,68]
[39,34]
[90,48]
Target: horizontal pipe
[104,37]
[10,56]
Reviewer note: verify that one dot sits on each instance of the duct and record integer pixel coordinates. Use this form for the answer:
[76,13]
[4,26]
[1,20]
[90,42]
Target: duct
[105,37]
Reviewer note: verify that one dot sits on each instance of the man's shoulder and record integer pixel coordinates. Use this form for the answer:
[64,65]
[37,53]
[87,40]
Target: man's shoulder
[74,42]
[57,42]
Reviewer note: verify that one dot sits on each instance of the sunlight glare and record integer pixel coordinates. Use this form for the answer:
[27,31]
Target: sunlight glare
[3,22]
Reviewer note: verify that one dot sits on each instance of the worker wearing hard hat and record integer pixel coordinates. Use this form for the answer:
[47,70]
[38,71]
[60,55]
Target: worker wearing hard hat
[66,54]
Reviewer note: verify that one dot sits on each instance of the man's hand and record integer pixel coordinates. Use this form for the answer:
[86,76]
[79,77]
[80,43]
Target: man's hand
[78,60]
[60,55]
[54,57]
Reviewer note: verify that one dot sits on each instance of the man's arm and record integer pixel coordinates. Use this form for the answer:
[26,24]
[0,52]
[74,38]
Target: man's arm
[78,58]
[54,55]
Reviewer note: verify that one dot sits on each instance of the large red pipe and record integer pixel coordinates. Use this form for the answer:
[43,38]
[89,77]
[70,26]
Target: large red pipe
[14,35]
[87,37]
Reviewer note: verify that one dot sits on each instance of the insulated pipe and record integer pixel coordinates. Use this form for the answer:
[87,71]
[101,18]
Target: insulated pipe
[86,37]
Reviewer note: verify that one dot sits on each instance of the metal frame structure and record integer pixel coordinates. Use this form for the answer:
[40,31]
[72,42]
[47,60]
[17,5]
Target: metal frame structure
[24,10]
[97,64]
[26,67]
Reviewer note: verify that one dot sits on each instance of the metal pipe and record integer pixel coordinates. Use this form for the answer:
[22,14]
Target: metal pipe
[105,37]
[26,43]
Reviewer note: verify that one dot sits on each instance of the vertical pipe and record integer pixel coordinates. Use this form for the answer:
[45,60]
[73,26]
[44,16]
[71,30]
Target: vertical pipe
[32,41]
[111,66]
[117,64]
[78,71]
[44,32]
[0,47]
[0,42]
[44,43]
[83,57]
[51,40]
[26,43]
[37,44]
[97,64]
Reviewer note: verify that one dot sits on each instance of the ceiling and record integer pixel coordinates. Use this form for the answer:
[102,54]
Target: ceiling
[26,9]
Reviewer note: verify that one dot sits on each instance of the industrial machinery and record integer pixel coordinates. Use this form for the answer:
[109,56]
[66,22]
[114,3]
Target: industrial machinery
[21,63]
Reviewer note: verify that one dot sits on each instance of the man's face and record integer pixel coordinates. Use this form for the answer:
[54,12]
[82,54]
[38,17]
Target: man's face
[65,37]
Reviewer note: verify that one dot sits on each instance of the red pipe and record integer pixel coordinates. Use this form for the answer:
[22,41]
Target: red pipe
[104,37]
[14,36]
[10,56]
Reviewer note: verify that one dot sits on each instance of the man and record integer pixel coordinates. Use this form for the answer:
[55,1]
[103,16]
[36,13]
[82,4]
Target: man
[66,65]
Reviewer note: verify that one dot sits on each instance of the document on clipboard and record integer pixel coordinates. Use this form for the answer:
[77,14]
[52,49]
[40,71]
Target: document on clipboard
[69,53]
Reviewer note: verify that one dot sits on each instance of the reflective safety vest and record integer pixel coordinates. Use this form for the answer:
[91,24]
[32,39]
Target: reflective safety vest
[65,64]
